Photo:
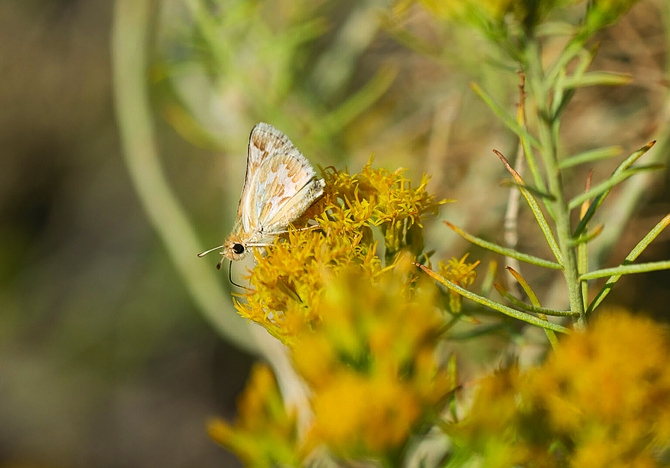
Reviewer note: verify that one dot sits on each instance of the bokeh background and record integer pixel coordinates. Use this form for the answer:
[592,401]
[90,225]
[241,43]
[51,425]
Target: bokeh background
[108,355]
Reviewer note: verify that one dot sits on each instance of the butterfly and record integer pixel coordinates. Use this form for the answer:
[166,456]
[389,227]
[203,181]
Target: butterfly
[279,186]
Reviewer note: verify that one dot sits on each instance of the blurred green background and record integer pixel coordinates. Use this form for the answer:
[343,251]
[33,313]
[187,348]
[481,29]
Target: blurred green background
[105,358]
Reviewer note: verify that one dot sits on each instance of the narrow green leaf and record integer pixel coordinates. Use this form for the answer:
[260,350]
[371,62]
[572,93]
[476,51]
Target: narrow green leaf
[560,99]
[571,50]
[503,115]
[494,305]
[630,160]
[452,371]
[475,332]
[590,156]
[583,267]
[360,101]
[532,164]
[410,40]
[581,227]
[505,251]
[589,236]
[449,325]
[489,278]
[527,146]
[531,308]
[598,79]
[648,239]
[639,248]
[626,270]
[607,185]
[304,32]
[563,95]
[526,287]
[551,336]
[561,105]
[555,28]
[533,190]
[582,247]
[535,208]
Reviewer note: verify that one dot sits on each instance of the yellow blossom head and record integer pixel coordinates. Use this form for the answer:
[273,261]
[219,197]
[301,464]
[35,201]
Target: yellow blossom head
[361,324]
[602,400]
[287,285]
[605,12]
[370,362]
[488,12]
[265,434]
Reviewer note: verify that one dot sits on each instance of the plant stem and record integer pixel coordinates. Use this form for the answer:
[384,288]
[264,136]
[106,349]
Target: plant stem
[130,36]
[548,125]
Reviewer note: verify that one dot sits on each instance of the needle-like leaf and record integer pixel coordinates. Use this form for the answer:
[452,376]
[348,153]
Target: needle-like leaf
[494,305]
[590,156]
[535,208]
[639,248]
[504,250]
[581,227]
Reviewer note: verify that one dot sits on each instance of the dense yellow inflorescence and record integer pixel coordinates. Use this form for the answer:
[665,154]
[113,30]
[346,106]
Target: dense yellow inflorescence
[287,285]
[371,363]
[360,323]
[602,400]
[482,14]
[265,433]
[362,327]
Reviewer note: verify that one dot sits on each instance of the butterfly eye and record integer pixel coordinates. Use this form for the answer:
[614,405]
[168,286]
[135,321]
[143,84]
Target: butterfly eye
[238,249]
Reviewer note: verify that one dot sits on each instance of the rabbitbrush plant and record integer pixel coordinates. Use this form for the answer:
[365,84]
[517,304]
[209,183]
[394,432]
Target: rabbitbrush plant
[366,313]
[362,325]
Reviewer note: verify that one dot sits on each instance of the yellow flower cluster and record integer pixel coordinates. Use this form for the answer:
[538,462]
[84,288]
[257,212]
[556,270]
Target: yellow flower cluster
[265,434]
[371,371]
[459,8]
[288,282]
[461,274]
[605,12]
[371,363]
[602,400]
[362,330]
[485,12]
[378,197]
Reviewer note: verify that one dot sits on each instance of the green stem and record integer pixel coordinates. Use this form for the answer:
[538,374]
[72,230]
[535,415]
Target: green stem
[540,87]
[130,39]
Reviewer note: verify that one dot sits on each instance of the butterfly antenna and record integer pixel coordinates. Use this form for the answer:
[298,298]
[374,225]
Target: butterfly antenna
[202,254]
[230,275]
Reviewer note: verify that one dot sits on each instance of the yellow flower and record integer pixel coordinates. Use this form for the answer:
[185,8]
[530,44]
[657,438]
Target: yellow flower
[363,415]
[451,9]
[483,12]
[457,271]
[460,273]
[363,336]
[490,427]
[265,434]
[370,362]
[287,285]
[605,12]
[615,379]
[602,400]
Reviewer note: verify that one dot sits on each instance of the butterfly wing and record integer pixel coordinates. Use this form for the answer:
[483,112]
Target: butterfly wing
[290,188]
[264,141]
[279,185]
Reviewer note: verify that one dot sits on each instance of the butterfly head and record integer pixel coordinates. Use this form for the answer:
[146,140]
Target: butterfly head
[234,248]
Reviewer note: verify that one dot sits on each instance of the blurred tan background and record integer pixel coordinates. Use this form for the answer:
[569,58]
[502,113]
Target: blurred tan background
[105,359]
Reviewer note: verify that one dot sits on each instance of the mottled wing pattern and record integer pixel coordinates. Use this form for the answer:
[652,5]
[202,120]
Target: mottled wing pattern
[280,184]
[264,141]
[285,191]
